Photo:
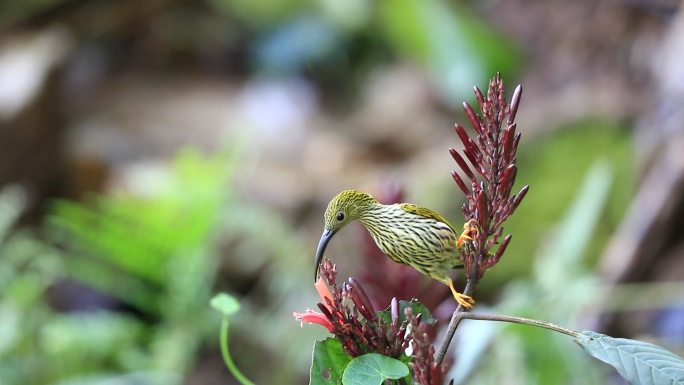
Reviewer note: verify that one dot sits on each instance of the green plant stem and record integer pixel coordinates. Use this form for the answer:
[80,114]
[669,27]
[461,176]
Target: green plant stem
[517,320]
[461,314]
[226,355]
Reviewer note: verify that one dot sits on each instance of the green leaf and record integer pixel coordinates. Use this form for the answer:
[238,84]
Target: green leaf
[328,363]
[225,303]
[415,305]
[638,362]
[373,369]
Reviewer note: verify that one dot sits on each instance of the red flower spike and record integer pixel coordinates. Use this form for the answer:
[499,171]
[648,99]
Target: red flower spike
[349,315]
[492,153]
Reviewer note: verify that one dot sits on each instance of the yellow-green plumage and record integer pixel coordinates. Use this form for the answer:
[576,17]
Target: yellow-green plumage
[407,233]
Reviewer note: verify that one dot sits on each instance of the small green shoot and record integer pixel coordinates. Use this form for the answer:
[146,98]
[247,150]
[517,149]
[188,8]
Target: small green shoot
[228,305]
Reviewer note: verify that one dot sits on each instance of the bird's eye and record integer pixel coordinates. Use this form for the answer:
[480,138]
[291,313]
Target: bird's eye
[340,216]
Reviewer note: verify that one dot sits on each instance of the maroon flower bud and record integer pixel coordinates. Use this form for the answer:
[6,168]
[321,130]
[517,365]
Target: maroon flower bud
[492,154]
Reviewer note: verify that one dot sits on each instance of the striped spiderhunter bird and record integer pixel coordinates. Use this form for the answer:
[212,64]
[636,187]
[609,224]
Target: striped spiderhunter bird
[407,233]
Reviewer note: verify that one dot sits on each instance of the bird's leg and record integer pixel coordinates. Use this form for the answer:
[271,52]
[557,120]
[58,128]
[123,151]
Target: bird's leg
[464,300]
[471,230]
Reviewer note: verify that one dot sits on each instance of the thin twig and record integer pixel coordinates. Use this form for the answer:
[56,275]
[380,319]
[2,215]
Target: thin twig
[461,314]
[517,320]
[453,324]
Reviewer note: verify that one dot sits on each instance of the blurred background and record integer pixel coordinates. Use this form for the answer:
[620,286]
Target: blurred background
[154,153]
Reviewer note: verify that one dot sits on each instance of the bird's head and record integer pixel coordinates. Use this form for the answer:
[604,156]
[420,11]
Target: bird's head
[342,209]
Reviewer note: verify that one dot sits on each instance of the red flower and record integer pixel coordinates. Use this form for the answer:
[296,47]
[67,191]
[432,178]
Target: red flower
[313,317]
[488,175]
[347,313]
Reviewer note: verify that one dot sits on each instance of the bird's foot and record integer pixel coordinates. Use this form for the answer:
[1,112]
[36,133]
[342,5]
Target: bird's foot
[471,230]
[464,300]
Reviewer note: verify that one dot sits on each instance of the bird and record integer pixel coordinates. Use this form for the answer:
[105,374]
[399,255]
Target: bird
[407,233]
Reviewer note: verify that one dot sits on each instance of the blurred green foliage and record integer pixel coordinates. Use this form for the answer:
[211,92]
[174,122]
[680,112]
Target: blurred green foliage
[456,48]
[147,242]
[449,41]
[156,252]
[554,166]
[260,13]
[11,11]
[27,268]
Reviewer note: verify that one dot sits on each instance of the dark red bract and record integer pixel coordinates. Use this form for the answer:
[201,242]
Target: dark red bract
[348,314]
[490,172]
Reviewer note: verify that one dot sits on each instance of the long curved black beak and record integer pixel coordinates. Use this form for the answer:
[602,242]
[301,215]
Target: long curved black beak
[322,244]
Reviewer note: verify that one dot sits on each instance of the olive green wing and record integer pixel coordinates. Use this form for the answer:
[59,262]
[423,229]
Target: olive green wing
[425,212]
